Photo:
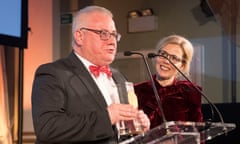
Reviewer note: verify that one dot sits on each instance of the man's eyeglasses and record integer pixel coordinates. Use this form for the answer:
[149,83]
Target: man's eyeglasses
[104,34]
[173,58]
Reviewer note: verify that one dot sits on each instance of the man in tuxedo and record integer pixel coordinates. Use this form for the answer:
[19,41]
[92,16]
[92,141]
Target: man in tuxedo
[72,98]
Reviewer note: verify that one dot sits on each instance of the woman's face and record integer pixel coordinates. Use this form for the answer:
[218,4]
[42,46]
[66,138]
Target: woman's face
[163,67]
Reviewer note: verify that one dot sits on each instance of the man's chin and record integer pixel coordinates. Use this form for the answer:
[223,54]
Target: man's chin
[109,61]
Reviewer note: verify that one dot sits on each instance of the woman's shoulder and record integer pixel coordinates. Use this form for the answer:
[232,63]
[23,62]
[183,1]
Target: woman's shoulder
[188,87]
[187,84]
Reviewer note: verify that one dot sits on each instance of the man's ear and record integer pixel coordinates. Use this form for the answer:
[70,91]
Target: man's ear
[78,36]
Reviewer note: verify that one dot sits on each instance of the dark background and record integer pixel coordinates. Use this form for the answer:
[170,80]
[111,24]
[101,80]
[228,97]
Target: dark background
[231,114]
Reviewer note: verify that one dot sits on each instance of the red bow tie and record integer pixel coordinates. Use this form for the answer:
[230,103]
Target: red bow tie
[95,70]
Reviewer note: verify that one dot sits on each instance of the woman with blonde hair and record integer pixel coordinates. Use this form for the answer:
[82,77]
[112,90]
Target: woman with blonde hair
[180,101]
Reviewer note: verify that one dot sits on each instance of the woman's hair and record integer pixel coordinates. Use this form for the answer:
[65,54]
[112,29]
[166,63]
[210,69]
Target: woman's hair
[80,18]
[186,47]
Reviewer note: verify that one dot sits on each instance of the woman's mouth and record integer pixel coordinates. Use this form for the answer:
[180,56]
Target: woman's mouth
[162,67]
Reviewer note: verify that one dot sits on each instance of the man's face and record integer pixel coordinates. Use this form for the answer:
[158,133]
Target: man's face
[93,47]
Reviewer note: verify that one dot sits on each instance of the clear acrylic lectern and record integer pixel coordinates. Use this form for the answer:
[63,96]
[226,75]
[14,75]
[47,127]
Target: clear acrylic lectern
[174,132]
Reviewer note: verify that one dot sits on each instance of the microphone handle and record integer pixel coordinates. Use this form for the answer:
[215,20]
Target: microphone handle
[127,53]
[155,90]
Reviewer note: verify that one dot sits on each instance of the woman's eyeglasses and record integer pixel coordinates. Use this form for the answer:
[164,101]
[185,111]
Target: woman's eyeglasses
[104,34]
[173,58]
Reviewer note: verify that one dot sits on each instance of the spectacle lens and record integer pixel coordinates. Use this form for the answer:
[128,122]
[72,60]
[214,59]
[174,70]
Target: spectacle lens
[172,58]
[104,34]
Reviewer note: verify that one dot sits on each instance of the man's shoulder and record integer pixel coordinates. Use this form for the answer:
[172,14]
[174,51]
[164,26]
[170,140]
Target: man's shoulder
[59,63]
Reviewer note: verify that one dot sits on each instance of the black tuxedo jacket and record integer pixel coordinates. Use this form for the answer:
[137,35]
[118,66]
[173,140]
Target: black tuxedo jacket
[67,105]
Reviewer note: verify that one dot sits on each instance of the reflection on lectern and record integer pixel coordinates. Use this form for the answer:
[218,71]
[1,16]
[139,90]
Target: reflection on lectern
[174,132]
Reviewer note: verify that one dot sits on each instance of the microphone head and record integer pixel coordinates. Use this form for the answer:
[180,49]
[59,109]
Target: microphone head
[127,53]
[152,55]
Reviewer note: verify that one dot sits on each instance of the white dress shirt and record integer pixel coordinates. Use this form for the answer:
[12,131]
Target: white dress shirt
[106,84]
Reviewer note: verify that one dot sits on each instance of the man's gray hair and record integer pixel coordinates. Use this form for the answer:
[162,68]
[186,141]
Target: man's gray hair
[80,16]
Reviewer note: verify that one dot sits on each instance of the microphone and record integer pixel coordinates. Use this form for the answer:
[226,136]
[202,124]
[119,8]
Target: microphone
[152,55]
[129,53]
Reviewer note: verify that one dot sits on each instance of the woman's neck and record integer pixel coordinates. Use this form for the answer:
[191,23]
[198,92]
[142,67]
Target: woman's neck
[165,81]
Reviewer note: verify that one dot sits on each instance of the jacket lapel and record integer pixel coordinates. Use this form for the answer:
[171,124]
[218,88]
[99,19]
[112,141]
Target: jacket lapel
[120,81]
[85,78]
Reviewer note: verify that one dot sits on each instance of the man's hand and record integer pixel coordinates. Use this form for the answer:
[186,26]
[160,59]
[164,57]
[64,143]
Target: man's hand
[118,112]
[143,120]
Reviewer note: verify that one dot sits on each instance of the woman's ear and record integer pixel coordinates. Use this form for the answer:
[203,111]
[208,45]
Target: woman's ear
[182,67]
